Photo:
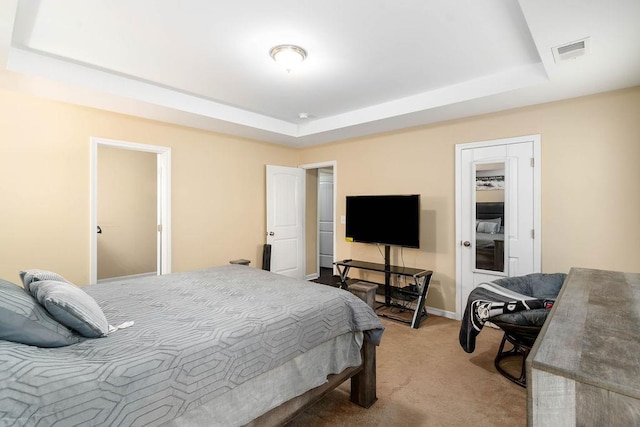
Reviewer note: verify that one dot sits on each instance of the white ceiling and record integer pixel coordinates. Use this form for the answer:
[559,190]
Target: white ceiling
[372,66]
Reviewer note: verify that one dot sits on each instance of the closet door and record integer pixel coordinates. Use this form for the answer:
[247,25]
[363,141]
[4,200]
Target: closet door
[494,245]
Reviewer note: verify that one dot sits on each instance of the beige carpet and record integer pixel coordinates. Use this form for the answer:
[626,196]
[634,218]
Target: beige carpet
[426,379]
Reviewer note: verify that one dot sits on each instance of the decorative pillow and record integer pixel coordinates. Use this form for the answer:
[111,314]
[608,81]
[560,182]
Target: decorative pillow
[498,221]
[33,275]
[23,320]
[71,306]
[487,227]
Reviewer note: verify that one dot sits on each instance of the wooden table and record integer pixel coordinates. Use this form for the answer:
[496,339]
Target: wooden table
[584,368]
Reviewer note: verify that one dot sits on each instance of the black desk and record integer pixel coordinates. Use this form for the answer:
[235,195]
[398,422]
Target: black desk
[417,291]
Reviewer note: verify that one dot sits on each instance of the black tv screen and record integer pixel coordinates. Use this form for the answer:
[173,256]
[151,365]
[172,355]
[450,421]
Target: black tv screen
[385,219]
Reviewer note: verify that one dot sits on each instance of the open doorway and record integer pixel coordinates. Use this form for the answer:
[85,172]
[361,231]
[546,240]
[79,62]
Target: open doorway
[162,228]
[320,214]
[127,213]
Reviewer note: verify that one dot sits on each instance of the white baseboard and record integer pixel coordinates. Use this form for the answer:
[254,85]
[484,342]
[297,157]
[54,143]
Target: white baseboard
[313,276]
[430,310]
[442,313]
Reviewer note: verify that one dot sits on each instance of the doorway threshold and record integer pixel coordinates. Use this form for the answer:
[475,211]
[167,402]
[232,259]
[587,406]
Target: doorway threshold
[132,276]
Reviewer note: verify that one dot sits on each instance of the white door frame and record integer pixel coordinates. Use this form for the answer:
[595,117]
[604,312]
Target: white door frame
[536,205]
[164,201]
[334,165]
[323,174]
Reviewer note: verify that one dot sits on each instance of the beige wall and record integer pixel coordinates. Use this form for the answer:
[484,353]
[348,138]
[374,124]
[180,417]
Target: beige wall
[218,187]
[590,183]
[490,196]
[127,212]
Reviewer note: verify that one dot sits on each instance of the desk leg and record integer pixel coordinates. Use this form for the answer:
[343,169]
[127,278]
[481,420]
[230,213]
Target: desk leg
[343,276]
[417,314]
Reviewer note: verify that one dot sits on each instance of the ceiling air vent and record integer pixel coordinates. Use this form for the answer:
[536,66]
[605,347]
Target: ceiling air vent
[571,50]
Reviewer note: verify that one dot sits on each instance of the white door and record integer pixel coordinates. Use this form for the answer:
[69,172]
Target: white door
[494,175]
[285,220]
[325,217]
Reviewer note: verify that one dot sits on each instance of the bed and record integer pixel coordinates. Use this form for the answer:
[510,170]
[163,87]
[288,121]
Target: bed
[490,236]
[226,346]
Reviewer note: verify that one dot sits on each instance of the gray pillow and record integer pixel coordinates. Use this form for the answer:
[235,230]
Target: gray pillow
[23,320]
[487,227]
[496,220]
[34,274]
[71,306]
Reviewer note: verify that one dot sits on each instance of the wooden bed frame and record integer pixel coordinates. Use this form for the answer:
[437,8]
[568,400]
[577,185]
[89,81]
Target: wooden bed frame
[363,378]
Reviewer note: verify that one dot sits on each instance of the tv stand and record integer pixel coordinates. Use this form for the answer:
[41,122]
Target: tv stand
[415,292]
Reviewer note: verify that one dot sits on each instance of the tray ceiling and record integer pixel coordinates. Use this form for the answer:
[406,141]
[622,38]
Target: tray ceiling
[372,66]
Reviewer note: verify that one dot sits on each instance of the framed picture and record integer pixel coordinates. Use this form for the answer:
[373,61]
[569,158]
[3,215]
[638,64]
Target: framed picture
[488,183]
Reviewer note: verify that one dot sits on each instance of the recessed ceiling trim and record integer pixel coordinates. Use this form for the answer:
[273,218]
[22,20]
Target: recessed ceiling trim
[197,101]
[477,88]
[29,61]
[35,63]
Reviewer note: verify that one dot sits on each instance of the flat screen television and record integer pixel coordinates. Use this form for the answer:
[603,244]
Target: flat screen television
[385,219]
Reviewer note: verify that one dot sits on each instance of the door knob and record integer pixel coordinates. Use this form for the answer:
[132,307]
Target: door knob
[466,243]
[271,233]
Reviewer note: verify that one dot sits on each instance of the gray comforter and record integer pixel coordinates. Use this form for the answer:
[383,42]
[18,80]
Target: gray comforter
[196,335]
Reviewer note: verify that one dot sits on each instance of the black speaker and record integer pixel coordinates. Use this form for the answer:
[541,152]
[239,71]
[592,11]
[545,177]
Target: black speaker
[266,257]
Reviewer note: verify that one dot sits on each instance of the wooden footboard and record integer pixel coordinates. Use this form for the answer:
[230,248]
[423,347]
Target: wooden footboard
[363,384]
[363,379]
[362,393]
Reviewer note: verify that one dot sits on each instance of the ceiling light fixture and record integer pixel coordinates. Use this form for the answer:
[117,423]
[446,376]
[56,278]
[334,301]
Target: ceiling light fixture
[288,56]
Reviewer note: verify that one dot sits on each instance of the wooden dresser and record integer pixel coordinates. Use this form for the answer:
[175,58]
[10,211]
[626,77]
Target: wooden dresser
[584,368]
